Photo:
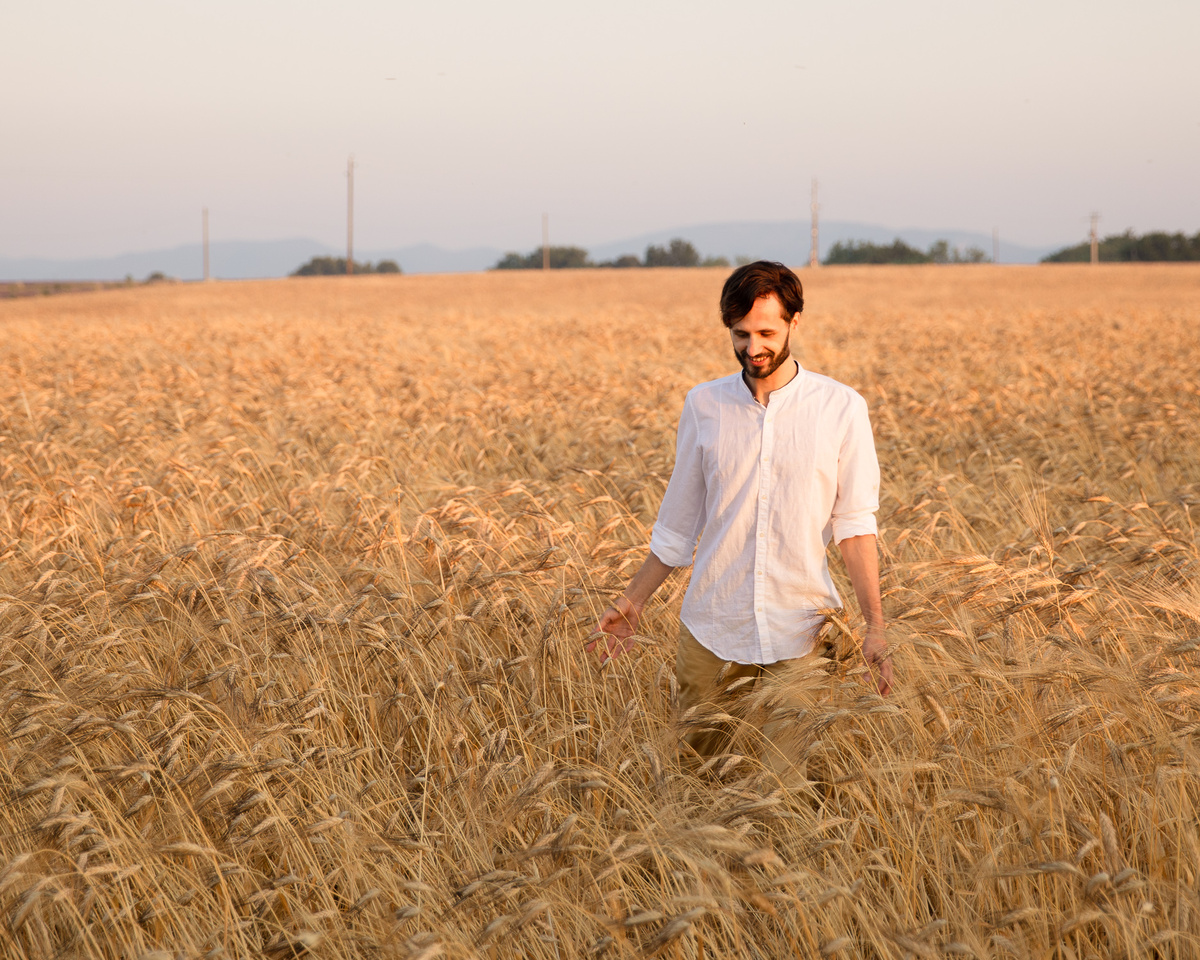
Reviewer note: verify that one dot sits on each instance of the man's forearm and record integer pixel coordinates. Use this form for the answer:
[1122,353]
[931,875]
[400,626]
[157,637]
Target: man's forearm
[862,563]
[650,577]
[620,621]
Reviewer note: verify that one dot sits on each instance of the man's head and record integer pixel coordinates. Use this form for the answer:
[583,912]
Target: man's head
[756,280]
[761,305]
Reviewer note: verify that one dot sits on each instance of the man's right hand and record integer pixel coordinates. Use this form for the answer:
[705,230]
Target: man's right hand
[875,652]
[616,628]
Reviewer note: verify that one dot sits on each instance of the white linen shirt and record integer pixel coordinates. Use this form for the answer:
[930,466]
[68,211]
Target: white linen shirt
[763,489]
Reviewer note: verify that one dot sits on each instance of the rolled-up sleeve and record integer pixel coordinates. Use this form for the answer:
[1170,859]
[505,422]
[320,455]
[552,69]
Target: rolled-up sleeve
[858,478]
[681,515]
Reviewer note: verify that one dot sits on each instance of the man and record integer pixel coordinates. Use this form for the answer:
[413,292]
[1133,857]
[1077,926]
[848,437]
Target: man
[771,463]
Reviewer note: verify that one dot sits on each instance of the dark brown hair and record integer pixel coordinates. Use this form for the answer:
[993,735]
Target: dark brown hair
[760,279]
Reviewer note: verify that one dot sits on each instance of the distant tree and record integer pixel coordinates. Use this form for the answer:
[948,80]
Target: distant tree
[677,253]
[323,267]
[715,262]
[158,277]
[1128,246]
[515,261]
[561,258]
[621,262]
[567,258]
[940,251]
[863,251]
[336,266]
[1158,247]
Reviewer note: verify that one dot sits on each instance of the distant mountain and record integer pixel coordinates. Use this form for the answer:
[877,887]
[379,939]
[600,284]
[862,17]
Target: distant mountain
[786,240]
[240,260]
[232,260]
[426,258]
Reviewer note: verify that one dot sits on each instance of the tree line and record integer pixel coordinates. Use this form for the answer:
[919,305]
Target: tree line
[336,266]
[863,251]
[1126,247]
[676,253]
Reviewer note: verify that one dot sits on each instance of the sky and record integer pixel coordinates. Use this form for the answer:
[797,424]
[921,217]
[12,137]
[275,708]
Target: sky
[467,120]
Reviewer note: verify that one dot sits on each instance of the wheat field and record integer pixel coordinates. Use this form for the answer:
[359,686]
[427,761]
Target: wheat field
[295,576]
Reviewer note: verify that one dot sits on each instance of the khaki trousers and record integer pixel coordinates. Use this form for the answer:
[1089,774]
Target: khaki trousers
[704,680]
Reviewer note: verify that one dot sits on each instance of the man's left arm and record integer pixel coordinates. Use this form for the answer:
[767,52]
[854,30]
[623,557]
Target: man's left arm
[862,563]
[854,529]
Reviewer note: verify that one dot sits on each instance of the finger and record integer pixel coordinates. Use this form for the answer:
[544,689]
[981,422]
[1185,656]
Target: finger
[593,638]
[615,647]
[885,678]
[875,677]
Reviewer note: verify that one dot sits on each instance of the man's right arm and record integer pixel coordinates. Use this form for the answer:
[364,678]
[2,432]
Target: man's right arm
[619,622]
[681,517]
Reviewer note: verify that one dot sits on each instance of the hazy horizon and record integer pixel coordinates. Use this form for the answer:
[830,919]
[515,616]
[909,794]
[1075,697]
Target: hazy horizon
[468,121]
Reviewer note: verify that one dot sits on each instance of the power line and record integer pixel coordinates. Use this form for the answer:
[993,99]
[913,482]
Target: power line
[204,231]
[814,256]
[350,215]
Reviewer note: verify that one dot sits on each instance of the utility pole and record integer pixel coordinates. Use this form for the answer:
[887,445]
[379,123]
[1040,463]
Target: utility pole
[204,226]
[1094,237]
[350,215]
[814,255]
[995,244]
[545,241]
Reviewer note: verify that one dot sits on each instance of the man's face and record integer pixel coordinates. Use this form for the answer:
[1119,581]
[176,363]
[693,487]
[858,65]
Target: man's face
[761,339]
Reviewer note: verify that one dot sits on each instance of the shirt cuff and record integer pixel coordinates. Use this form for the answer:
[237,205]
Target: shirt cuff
[671,548]
[855,525]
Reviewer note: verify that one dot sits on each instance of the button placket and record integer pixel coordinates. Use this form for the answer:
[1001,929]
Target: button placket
[764,508]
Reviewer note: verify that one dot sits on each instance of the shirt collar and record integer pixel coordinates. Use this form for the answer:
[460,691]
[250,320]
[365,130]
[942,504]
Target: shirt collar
[782,393]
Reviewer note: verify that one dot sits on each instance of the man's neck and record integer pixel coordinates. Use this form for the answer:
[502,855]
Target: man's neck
[761,389]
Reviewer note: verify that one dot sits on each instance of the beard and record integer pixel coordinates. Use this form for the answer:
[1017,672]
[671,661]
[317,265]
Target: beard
[773,363]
